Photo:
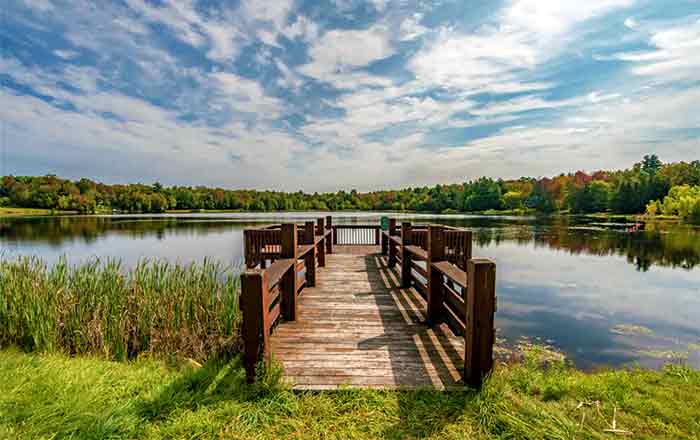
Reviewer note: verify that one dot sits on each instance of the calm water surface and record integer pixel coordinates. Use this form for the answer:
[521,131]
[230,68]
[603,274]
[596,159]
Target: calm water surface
[587,287]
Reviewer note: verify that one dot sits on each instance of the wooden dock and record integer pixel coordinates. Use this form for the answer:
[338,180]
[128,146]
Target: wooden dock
[357,314]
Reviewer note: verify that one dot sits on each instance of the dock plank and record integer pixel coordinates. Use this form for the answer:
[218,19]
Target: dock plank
[358,328]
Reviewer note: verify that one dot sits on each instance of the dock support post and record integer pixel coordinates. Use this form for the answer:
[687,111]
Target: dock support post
[255,305]
[288,284]
[329,239]
[310,257]
[308,233]
[436,253]
[392,245]
[467,248]
[320,229]
[405,255]
[479,335]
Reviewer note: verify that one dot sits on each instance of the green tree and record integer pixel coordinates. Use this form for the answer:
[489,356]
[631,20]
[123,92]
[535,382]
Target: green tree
[482,195]
[540,200]
[651,164]
[592,197]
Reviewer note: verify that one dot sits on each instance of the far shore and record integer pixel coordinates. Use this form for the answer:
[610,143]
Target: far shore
[32,212]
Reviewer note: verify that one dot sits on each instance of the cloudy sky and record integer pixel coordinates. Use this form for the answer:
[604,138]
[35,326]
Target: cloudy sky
[331,94]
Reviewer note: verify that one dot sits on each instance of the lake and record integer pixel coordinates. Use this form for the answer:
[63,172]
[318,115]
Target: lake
[603,296]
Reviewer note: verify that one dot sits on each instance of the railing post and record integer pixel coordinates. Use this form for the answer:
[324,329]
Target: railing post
[377,233]
[255,305]
[335,235]
[320,230]
[385,243]
[308,232]
[329,240]
[467,247]
[436,252]
[405,255]
[288,283]
[310,263]
[310,257]
[479,335]
[392,245]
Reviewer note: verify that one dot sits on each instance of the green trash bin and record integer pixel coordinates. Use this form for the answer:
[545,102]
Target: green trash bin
[385,223]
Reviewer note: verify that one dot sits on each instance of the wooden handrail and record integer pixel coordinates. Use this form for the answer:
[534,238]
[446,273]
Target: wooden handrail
[277,270]
[356,226]
[270,294]
[356,234]
[454,273]
[435,260]
[460,291]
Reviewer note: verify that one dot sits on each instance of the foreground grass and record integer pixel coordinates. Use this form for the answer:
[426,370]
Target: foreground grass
[100,308]
[55,396]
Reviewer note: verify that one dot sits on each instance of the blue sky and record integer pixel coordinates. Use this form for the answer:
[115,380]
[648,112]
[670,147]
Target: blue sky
[339,94]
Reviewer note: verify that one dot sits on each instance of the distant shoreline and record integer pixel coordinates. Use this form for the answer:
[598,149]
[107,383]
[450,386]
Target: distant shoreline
[37,212]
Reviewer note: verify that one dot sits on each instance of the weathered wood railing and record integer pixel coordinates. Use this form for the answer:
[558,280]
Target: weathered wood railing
[436,260]
[354,234]
[262,245]
[270,293]
[460,291]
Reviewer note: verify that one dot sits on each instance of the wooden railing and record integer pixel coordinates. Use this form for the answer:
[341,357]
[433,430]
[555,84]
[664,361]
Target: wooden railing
[459,290]
[354,234]
[262,245]
[269,294]
[436,260]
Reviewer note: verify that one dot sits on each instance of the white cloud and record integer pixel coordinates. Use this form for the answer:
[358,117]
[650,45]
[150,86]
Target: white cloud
[225,41]
[65,54]
[179,15]
[303,28]
[338,53]
[526,34]
[676,57]
[246,95]
[411,29]
[39,5]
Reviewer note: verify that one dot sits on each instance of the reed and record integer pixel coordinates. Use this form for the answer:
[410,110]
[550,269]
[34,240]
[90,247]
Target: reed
[99,308]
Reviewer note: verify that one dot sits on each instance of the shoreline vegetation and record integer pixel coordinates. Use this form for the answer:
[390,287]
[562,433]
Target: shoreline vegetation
[12,212]
[650,188]
[100,308]
[97,351]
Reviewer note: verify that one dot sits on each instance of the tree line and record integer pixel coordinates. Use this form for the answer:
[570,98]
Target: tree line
[628,191]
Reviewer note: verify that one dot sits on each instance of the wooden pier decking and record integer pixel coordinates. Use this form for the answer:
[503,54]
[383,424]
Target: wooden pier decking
[357,327]
[335,309]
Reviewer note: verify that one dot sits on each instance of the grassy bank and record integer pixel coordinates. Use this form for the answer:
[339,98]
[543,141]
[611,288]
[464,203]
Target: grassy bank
[18,212]
[55,396]
[100,308]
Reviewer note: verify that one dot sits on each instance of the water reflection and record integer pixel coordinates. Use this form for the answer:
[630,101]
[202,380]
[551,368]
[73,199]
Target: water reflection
[659,245]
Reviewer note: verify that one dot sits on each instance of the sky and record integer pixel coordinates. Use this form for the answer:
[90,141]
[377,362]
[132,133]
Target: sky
[322,95]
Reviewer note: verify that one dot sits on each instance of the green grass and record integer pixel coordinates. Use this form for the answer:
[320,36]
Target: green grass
[56,396]
[99,308]
[6,211]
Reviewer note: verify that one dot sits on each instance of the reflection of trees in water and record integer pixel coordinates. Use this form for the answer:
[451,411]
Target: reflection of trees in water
[676,246]
[58,230]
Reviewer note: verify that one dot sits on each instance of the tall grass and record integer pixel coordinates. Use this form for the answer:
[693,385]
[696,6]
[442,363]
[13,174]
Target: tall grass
[100,308]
